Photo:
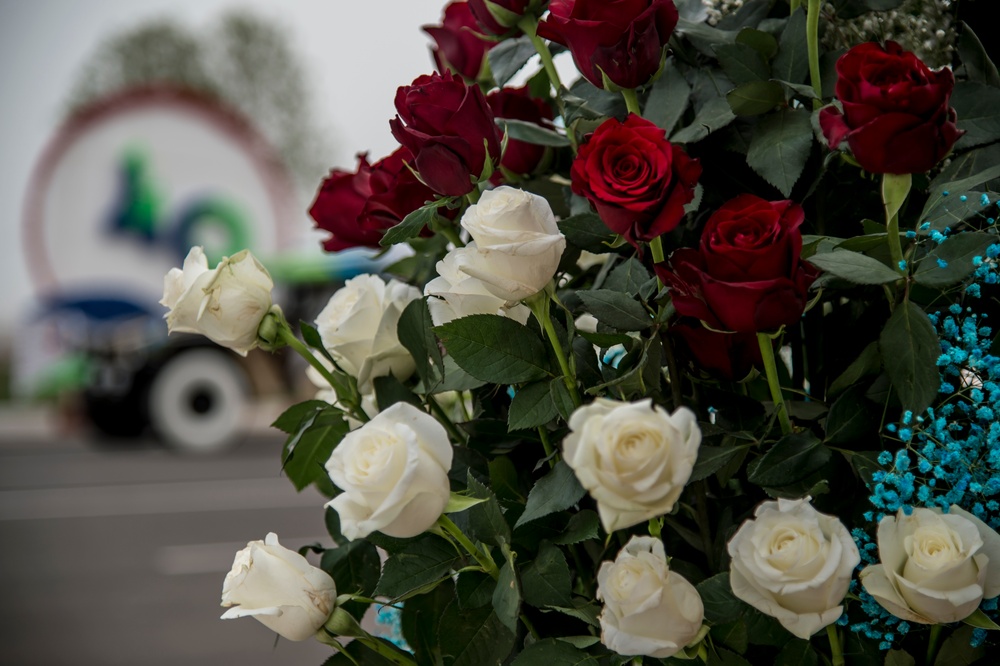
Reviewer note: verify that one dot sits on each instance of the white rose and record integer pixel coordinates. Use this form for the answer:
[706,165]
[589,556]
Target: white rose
[633,458]
[648,609]
[225,304]
[517,243]
[456,294]
[358,328]
[279,588]
[393,472]
[935,567]
[793,563]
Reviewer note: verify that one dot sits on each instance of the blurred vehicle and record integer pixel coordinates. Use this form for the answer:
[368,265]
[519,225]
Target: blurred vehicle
[125,188]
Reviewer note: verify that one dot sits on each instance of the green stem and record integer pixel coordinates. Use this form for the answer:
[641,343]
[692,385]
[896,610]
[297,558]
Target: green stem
[895,189]
[452,529]
[631,101]
[529,26]
[771,370]
[793,5]
[384,651]
[933,643]
[530,627]
[812,42]
[452,235]
[836,653]
[446,421]
[701,512]
[343,394]
[539,306]
[472,197]
[656,247]
[543,434]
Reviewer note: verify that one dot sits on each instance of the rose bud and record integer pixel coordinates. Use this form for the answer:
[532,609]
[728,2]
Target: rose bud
[278,588]
[622,39]
[225,304]
[896,116]
[449,129]
[459,46]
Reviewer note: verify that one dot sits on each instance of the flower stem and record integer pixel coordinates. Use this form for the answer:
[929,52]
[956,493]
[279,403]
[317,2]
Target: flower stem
[344,394]
[812,42]
[446,421]
[539,306]
[631,101]
[793,5]
[771,370]
[529,26]
[543,434]
[836,653]
[656,247]
[895,189]
[933,644]
[488,565]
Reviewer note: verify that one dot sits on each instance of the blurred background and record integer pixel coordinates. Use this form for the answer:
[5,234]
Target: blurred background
[133,466]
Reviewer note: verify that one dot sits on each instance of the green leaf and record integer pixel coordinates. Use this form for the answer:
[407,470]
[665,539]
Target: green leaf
[507,594]
[531,407]
[582,610]
[668,99]
[455,379]
[717,596]
[312,337]
[474,589]
[792,61]
[732,634]
[975,60]
[956,650]
[412,224]
[763,43]
[529,132]
[354,567]
[495,349]
[416,332]
[556,491]
[485,521]
[723,657]
[605,340]
[854,267]
[628,277]
[587,232]
[615,309]
[713,115]
[458,503]
[421,619]
[756,98]
[980,620]
[474,637]
[957,253]
[953,210]
[292,419]
[553,652]
[359,655]
[893,658]
[547,580]
[791,459]
[909,351]
[797,652]
[389,391]
[713,458]
[978,107]
[508,57]
[964,173]
[742,63]
[307,451]
[780,146]
[849,418]
[422,562]
[582,526]
[869,362]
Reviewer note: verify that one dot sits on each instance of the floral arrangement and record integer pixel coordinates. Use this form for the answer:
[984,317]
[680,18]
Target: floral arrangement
[692,358]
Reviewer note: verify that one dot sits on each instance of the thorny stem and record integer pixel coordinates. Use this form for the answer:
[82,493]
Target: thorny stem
[529,25]
[452,529]
[539,306]
[285,335]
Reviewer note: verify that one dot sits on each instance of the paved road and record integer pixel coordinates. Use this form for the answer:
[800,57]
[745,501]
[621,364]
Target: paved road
[115,556]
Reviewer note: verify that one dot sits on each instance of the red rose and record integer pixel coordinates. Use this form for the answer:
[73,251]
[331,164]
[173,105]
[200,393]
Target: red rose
[449,129]
[395,192]
[459,46]
[637,180]
[521,158]
[747,275]
[728,355]
[338,206]
[623,38]
[507,13]
[896,116]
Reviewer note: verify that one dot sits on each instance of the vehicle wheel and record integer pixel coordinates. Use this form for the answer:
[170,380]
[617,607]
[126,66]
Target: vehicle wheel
[197,401]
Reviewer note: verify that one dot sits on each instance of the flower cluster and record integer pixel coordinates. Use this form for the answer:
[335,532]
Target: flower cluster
[662,330]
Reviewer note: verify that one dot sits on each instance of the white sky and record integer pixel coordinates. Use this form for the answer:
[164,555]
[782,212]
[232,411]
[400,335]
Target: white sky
[357,52]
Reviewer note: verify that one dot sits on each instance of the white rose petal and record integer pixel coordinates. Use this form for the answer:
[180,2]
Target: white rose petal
[225,304]
[517,243]
[935,567]
[358,328]
[393,472]
[633,458]
[648,609]
[794,564]
[456,294]
[279,588]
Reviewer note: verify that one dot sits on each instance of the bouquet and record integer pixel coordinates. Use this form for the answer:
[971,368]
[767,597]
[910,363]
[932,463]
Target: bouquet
[692,357]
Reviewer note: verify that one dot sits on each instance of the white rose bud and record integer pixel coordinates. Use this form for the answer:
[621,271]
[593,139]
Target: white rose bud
[393,472]
[225,304]
[456,294]
[648,609]
[358,328]
[279,588]
[517,245]
[935,567]
[793,563]
[633,458]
